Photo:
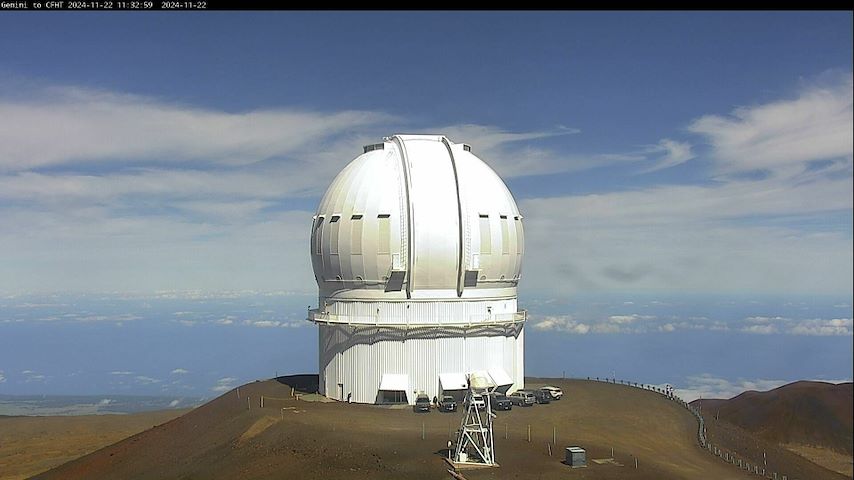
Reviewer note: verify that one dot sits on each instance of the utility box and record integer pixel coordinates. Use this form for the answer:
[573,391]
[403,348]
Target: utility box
[576,457]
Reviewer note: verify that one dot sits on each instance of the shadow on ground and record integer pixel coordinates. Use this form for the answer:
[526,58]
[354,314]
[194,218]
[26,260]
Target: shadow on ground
[304,383]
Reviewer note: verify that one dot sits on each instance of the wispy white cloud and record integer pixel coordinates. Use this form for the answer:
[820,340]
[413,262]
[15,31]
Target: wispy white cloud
[2,377]
[122,317]
[771,232]
[633,323]
[512,154]
[671,153]
[264,323]
[636,323]
[89,125]
[224,384]
[272,323]
[145,380]
[164,183]
[784,136]
[180,371]
[218,190]
[121,372]
[561,323]
[623,319]
[823,327]
[790,326]
[760,329]
[762,319]
[34,377]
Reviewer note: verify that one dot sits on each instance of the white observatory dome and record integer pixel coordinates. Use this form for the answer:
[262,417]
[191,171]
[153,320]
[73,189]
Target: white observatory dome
[417,252]
[417,216]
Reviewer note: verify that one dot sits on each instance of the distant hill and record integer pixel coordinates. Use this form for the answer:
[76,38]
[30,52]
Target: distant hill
[34,444]
[56,405]
[805,413]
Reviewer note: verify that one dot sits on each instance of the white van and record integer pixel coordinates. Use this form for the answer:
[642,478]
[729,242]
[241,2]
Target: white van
[555,392]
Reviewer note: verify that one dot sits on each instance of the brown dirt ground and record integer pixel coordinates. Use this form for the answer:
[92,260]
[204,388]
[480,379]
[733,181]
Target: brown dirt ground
[825,457]
[232,437]
[30,445]
[749,446]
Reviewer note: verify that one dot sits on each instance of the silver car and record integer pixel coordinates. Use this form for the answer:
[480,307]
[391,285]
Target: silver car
[523,398]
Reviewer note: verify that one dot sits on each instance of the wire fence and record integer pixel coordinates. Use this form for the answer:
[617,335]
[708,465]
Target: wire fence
[751,466]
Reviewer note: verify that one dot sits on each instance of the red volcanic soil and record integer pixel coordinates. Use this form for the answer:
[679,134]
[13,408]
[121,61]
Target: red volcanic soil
[806,413]
[233,437]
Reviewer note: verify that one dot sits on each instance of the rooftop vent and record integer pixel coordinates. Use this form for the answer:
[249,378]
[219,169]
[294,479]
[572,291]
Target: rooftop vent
[372,147]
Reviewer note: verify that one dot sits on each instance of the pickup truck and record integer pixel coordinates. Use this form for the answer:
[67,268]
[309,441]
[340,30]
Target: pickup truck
[477,400]
[447,404]
[422,404]
[543,396]
[501,402]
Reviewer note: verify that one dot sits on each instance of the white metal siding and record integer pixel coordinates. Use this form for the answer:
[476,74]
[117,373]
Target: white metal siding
[359,365]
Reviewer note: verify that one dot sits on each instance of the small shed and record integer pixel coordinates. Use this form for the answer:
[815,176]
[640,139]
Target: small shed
[576,457]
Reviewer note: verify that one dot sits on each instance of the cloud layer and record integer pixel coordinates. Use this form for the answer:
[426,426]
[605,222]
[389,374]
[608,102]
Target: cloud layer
[635,323]
[143,194]
[783,136]
[771,217]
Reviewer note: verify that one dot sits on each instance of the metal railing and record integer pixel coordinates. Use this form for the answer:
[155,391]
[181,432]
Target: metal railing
[478,320]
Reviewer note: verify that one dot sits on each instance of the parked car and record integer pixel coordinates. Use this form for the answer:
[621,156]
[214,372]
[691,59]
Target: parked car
[447,404]
[500,401]
[522,398]
[477,400]
[555,392]
[542,396]
[422,404]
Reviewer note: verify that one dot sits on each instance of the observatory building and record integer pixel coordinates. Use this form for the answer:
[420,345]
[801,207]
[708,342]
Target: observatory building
[417,251]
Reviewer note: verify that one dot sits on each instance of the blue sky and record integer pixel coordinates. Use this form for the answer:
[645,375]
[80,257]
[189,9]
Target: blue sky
[660,154]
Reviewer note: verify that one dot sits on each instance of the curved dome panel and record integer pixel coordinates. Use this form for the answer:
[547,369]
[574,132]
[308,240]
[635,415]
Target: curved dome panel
[417,217]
